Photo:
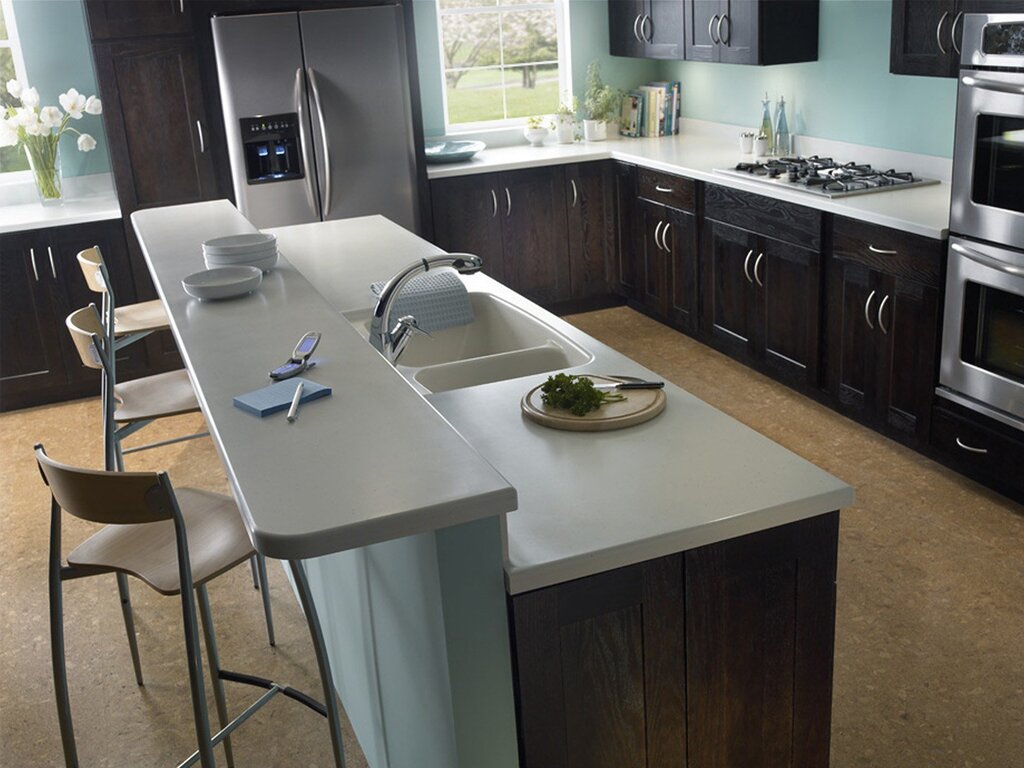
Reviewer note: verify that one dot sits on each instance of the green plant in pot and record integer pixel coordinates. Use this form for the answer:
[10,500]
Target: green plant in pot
[601,105]
[565,121]
[536,131]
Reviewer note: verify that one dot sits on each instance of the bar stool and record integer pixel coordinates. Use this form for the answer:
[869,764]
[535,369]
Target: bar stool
[134,404]
[175,542]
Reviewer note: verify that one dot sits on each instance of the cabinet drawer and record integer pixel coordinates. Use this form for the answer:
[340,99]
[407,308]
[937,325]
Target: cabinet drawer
[764,215]
[664,188]
[955,436]
[889,250]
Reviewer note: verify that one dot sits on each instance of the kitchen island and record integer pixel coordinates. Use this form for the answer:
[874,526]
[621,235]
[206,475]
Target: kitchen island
[397,498]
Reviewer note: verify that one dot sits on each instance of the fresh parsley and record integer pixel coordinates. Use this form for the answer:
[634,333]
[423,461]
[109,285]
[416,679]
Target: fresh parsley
[575,394]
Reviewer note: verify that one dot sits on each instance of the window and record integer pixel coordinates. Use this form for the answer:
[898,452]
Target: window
[503,60]
[11,68]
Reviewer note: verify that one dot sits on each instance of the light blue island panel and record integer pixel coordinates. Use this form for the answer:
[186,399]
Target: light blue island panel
[417,634]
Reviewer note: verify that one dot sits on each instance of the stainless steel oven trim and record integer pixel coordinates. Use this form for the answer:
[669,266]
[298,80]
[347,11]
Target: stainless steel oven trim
[977,383]
[984,410]
[974,27]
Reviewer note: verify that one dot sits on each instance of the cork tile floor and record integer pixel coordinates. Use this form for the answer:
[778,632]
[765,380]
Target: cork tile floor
[929,668]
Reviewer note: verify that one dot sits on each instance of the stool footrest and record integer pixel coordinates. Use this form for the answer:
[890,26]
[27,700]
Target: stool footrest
[262,682]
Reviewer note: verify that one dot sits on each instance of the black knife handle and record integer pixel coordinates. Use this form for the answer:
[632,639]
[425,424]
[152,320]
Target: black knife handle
[641,385]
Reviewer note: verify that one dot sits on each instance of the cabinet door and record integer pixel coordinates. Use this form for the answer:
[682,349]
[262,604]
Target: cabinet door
[739,32]
[680,237]
[600,670]
[655,283]
[788,279]
[728,287]
[137,18]
[624,17]
[591,228]
[628,244]
[907,317]
[465,211]
[534,232]
[664,30]
[852,347]
[922,41]
[31,360]
[702,17]
[153,113]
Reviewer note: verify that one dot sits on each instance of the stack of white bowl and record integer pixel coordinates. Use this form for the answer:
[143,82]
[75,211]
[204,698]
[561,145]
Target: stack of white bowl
[256,249]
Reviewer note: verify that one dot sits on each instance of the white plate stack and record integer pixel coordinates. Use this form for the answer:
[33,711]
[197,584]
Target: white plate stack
[256,249]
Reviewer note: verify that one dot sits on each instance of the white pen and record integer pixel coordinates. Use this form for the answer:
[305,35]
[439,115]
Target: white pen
[294,410]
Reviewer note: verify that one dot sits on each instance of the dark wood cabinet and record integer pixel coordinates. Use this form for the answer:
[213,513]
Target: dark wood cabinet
[761,283]
[883,298]
[626,269]
[715,657]
[591,228]
[109,19]
[515,219]
[651,29]
[751,31]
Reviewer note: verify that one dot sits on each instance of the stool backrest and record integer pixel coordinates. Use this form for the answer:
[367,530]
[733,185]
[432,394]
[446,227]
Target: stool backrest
[85,327]
[95,271]
[107,497]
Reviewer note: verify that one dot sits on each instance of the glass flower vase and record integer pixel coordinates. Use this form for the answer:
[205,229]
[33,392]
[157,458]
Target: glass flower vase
[44,160]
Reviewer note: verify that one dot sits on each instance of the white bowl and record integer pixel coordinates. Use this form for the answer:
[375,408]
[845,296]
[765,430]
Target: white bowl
[223,282]
[239,243]
[262,262]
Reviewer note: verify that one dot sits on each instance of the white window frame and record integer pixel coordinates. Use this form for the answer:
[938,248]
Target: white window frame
[14,44]
[561,8]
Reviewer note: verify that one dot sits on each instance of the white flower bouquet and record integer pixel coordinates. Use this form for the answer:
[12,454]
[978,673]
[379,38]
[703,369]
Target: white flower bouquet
[39,131]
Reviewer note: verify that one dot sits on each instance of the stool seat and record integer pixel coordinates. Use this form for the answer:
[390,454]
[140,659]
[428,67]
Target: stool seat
[217,542]
[143,317]
[154,397]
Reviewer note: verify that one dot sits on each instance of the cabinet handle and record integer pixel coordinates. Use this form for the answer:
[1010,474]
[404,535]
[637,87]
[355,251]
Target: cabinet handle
[508,202]
[746,266]
[636,33]
[970,448]
[664,237]
[181,7]
[659,188]
[881,308]
[657,232]
[575,194]
[952,32]
[202,141]
[882,251]
[756,265]
[718,29]
[494,201]
[867,310]
[32,256]
[53,268]
[711,34]
[646,24]
[938,31]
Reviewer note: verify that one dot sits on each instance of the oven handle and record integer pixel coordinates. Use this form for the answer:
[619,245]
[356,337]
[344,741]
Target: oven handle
[987,261]
[992,85]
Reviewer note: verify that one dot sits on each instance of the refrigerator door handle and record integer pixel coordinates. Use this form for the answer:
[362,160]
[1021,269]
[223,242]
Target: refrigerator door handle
[300,109]
[327,143]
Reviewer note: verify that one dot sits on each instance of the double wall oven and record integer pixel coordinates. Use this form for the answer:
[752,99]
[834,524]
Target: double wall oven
[983,322]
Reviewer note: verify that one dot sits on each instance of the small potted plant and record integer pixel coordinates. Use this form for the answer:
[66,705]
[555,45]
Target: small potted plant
[565,121]
[600,106]
[535,131]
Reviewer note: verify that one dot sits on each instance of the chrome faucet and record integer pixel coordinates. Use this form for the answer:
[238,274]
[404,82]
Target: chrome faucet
[390,340]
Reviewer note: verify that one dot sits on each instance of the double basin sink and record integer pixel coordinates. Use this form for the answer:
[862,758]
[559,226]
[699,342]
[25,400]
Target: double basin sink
[503,342]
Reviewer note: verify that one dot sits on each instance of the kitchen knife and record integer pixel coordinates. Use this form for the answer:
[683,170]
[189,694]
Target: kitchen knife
[630,385]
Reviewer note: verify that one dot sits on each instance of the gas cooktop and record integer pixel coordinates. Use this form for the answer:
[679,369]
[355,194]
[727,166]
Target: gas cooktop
[825,177]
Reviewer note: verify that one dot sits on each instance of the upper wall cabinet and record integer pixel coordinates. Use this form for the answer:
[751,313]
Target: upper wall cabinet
[651,29]
[927,35]
[109,19]
[751,31]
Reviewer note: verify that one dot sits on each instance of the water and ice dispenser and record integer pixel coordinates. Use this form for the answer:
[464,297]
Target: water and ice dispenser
[271,147]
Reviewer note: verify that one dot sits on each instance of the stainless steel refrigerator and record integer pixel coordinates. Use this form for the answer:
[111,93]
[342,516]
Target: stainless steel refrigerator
[318,115]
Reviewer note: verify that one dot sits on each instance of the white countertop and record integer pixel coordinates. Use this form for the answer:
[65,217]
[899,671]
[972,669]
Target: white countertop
[376,461]
[919,210]
[89,198]
[371,463]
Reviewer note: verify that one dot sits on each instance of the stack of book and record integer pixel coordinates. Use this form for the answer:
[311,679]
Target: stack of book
[651,110]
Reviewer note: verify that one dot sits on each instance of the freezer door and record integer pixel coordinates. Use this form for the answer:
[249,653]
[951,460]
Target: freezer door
[362,113]
[260,70]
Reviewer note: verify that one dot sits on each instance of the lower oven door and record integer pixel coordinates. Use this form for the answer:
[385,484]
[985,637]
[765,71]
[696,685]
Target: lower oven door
[983,329]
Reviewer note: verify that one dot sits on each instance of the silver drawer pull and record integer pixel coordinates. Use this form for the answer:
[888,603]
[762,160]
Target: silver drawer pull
[756,265]
[657,233]
[494,200]
[711,34]
[881,308]
[938,31]
[53,268]
[664,237]
[952,32]
[508,202]
[636,33]
[35,269]
[746,266]
[867,310]
[882,251]
[575,193]
[202,141]
[659,188]
[970,448]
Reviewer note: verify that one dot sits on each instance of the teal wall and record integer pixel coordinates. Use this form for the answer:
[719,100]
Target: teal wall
[55,45]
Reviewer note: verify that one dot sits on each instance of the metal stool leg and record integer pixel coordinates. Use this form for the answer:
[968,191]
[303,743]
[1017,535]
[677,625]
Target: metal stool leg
[316,634]
[60,670]
[129,625]
[261,567]
[213,661]
[255,574]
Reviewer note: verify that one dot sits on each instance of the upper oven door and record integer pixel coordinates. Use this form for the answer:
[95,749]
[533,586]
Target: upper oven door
[988,158]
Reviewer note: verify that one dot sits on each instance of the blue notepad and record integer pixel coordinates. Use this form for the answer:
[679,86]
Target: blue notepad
[278,396]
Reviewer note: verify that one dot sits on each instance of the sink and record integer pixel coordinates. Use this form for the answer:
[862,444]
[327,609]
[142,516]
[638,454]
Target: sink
[503,342]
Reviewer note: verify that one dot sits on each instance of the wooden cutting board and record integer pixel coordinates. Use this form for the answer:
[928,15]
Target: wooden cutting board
[639,406]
